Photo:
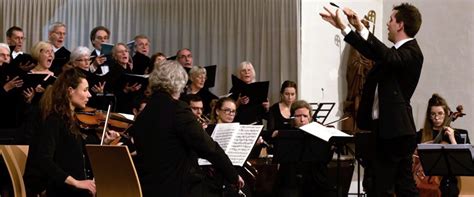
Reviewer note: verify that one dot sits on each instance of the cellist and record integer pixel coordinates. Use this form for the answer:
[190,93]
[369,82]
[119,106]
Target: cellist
[437,130]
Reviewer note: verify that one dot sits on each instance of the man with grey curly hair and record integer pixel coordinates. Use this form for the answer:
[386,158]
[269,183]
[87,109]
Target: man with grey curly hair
[169,77]
[169,140]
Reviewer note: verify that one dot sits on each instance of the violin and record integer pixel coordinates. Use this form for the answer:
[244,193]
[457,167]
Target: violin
[90,118]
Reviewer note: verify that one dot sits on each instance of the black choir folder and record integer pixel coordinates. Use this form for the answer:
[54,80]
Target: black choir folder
[31,80]
[237,141]
[256,91]
[211,76]
[134,78]
[106,49]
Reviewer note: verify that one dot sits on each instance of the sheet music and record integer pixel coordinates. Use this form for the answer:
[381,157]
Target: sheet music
[236,140]
[242,143]
[322,132]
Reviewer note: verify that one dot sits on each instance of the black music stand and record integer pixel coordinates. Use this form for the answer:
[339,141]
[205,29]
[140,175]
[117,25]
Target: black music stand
[322,112]
[290,144]
[446,159]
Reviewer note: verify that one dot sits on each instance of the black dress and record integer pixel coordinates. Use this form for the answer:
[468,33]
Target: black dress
[276,121]
[55,153]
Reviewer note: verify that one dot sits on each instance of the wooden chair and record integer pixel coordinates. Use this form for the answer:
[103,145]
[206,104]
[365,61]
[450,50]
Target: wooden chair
[114,171]
[14,157]
[466,184]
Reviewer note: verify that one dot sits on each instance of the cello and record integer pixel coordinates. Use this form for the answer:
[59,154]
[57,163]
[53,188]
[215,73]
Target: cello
[429,185]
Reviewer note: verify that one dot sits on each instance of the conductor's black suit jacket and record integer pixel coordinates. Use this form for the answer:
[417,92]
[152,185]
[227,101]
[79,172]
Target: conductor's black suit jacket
[169,141]
[396,71]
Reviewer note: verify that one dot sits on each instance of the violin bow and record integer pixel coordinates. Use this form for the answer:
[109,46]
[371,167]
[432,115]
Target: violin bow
[105,126]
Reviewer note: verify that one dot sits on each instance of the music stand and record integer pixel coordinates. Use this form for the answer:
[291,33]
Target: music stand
[322,112]
[446,159]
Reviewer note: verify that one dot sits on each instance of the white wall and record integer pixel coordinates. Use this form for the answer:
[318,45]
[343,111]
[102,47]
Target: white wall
[446,39]
[322,73]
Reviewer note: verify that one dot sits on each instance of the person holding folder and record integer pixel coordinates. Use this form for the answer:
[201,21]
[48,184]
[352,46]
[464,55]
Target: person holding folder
[8,95]
[250,108]
[198,77]
[100,62]
[43,53]
[57,37]
[385,107]
[169,140]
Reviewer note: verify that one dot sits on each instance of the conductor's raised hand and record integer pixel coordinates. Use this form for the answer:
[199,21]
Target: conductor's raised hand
[334,19]
[353,19]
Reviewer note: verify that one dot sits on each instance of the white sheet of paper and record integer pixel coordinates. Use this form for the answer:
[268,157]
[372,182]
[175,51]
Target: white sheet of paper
[322,132]
[236,140]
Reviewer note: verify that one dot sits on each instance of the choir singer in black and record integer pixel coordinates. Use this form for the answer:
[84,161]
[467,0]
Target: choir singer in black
[169,140]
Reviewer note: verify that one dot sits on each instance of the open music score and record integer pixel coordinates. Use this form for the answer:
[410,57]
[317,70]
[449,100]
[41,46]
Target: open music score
[237,141]
[322,132]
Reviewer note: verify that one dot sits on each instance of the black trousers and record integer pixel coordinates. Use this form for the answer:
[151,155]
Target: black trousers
[389,171]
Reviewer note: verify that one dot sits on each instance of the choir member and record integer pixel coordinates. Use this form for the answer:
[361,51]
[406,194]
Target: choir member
[57,37]
[141,61]
[100,63]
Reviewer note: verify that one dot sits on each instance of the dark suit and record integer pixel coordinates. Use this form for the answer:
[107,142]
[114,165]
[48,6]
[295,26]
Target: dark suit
[396,72]
[169,140]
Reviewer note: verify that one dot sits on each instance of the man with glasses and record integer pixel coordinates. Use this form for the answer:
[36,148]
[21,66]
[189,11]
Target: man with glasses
[100,63]
[185,58]
[57,37]
[141,60]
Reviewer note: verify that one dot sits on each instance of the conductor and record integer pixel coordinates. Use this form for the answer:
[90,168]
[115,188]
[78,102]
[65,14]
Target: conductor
[385,105]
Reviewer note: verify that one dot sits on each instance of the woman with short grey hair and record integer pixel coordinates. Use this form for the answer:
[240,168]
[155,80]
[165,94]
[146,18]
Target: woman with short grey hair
[198,77]
[169,140]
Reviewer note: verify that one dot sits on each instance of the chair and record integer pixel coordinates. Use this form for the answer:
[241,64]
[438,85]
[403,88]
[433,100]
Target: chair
[14,157]
[114,171]
[466,183]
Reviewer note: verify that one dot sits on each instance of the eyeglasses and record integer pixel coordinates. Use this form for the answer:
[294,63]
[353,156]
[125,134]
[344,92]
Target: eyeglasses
[435,115]
[229,111]
[60,33]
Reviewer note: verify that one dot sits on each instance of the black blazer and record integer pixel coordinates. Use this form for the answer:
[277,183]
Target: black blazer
[396,71]
[169,140]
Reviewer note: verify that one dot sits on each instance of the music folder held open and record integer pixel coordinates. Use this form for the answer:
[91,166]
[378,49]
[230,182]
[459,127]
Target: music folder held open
[256,91]
[237,141]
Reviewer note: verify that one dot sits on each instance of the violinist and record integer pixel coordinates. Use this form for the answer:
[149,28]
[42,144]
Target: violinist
[56,161]
[169,139]
[437,130]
